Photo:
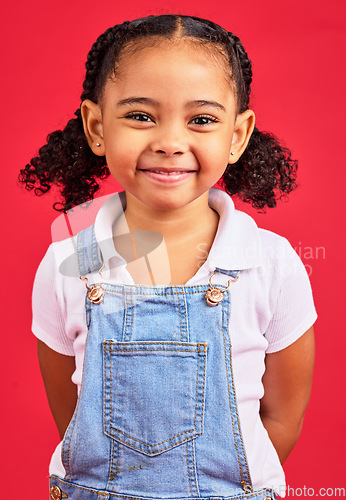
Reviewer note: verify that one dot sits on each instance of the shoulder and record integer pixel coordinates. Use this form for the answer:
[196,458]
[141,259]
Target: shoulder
[270,239]
[278,252]
[254,247]
[60,259]
[61,254]
[275,246]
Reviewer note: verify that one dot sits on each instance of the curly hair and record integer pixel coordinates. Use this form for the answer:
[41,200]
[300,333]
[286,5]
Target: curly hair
[263,173]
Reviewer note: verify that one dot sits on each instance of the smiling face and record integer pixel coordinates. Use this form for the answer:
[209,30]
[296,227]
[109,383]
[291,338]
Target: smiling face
[166,124]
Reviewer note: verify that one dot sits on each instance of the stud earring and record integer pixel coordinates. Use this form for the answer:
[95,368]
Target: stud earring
[98,144]
[232,153]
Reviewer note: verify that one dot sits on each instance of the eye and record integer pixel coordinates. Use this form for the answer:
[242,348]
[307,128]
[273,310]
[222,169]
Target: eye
[206,119]
[140,117]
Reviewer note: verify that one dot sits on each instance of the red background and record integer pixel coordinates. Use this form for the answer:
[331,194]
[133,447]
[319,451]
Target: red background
[299,80]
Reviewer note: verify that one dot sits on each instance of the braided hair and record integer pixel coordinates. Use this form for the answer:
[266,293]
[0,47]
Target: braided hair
[263,173]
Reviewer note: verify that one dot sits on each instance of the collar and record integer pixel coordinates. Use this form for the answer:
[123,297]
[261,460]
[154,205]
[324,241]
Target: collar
[236,245]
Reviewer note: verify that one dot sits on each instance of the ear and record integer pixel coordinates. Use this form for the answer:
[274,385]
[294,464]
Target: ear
[93,127]
[243,128]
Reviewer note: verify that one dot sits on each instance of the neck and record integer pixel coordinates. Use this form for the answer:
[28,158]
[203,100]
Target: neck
[183,229]
[179,224]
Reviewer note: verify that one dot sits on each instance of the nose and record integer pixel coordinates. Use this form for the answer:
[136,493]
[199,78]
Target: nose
[169,141]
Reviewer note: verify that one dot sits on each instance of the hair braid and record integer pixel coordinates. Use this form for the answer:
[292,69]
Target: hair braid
[245,67]
[95,58]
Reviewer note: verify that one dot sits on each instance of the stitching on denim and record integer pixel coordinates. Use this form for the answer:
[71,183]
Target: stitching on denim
[182,317]
[159,451]
[146,350]
[235,400]
[187,329]
[191,466]
[236,409]
[128,322]
[228,388]
[258,492]
[184,332]
[118,495]
[83,488]
[80,264]
[197,395]
[82,251]
[92,247]
[69,433]
[127,298]
[78,259]
[188,468]
[194,466]
[185,345]
[140,292]
[203,393]
[201,358]
[118,466]
[114,464]
[186,321]
[125,319]
[179,310]
[83,246]
[104,383]
[109,389]
[76,413]
[110,469]
[131,318]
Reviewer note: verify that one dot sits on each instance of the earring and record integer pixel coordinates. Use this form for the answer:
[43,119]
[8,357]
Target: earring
[232,153]
[98,144]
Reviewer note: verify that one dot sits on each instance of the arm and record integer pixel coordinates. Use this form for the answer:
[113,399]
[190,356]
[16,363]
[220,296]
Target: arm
[287,385]
[56,370]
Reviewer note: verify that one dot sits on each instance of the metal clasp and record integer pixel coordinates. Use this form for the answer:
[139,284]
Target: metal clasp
[214,295]
[95,292]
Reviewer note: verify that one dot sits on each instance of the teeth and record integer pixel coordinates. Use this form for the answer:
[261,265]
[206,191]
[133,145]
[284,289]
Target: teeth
[167,173]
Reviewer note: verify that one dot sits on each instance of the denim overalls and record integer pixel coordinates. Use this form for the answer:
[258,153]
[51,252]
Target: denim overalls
[157,415]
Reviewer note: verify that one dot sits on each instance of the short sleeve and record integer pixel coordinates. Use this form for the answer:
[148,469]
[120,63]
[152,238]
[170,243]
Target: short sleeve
[294,311]
[48,322]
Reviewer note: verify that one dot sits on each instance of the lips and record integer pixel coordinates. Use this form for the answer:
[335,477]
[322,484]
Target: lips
[168,177]
[166,171]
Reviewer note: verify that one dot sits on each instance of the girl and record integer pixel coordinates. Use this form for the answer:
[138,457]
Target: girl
[192,344]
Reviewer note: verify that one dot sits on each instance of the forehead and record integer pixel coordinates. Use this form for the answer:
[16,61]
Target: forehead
[178,69]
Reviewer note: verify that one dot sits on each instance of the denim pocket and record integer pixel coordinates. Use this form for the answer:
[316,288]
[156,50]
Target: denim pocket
[153,393]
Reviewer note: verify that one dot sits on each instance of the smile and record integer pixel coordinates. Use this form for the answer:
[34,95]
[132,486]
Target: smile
[170,176]
[163,172]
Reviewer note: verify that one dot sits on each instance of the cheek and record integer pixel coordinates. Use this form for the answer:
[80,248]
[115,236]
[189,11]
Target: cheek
[215,154]
[121,153]
[121,141]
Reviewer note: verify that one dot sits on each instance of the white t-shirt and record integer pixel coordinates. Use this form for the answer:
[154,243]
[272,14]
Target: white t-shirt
[272,305]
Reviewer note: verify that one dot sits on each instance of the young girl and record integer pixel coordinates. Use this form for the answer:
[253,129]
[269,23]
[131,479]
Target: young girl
[189,335]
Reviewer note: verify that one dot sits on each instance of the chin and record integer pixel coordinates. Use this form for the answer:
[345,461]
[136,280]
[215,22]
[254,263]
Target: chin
[168,202]
[166,205]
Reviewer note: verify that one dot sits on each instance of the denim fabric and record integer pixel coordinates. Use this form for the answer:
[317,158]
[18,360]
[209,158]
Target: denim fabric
[157,414]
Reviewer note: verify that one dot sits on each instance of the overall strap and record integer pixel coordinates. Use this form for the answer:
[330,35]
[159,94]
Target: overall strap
[88,251]
[233,274]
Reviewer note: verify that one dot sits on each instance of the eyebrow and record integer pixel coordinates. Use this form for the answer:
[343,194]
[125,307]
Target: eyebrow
[199,103]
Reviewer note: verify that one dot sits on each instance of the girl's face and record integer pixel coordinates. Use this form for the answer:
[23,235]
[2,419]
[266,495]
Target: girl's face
[167,125]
